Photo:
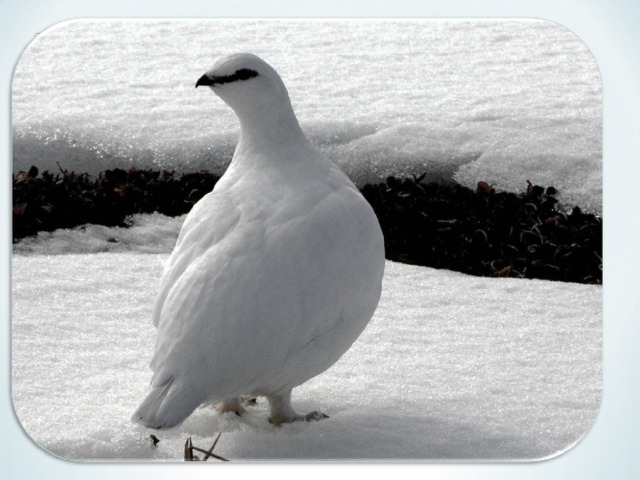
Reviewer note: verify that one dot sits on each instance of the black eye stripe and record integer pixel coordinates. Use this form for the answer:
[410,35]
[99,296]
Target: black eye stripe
[242,74]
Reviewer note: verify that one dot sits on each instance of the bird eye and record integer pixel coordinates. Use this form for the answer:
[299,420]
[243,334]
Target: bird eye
[242,74]
[245,74]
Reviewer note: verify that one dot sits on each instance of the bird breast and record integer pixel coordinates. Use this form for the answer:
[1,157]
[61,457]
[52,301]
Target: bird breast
[287,271]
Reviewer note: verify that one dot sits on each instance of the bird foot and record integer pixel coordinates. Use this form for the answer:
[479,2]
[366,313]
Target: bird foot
[231,405]
[236,405]
[314,416]
[309,417]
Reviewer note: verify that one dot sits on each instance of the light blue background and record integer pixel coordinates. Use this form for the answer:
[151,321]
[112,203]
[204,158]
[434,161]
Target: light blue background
[610,28]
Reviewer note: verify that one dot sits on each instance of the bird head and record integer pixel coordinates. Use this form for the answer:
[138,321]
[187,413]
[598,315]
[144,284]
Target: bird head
[246,83]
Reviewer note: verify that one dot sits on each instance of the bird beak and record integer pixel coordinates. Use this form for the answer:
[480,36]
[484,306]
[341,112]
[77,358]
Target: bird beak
[204,80]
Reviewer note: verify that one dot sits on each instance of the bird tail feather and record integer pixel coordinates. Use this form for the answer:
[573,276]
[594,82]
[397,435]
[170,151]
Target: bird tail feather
[164,407]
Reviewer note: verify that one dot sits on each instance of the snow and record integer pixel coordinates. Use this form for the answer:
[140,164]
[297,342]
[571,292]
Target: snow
[499,101]
[450,367]
[144,233]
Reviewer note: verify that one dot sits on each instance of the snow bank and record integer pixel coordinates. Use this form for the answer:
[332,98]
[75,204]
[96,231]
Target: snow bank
[499,101]
[145,233]
[451,367]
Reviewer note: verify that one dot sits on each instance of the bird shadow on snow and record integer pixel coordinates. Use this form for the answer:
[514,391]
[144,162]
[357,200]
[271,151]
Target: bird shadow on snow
[355,435]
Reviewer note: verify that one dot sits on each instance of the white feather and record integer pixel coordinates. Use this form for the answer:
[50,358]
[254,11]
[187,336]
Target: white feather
[275,273]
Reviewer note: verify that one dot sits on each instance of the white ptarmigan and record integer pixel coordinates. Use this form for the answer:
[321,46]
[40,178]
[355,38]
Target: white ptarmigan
[275,273]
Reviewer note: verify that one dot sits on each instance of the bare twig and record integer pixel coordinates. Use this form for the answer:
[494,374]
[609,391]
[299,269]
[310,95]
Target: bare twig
[210,452]
[189,449]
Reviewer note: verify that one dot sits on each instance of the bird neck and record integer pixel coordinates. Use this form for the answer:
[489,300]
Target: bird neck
[269,128]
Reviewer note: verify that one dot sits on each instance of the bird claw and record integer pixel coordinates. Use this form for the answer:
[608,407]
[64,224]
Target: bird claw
[236,405]
[309,417]
[315,416]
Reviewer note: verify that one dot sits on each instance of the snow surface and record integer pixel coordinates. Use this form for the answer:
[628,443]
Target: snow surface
[145,233]
[450,367]
[499,101]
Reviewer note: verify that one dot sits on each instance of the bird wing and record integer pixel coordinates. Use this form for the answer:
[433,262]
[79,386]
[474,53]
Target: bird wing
[257,296]
[253,284]
[206,224]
